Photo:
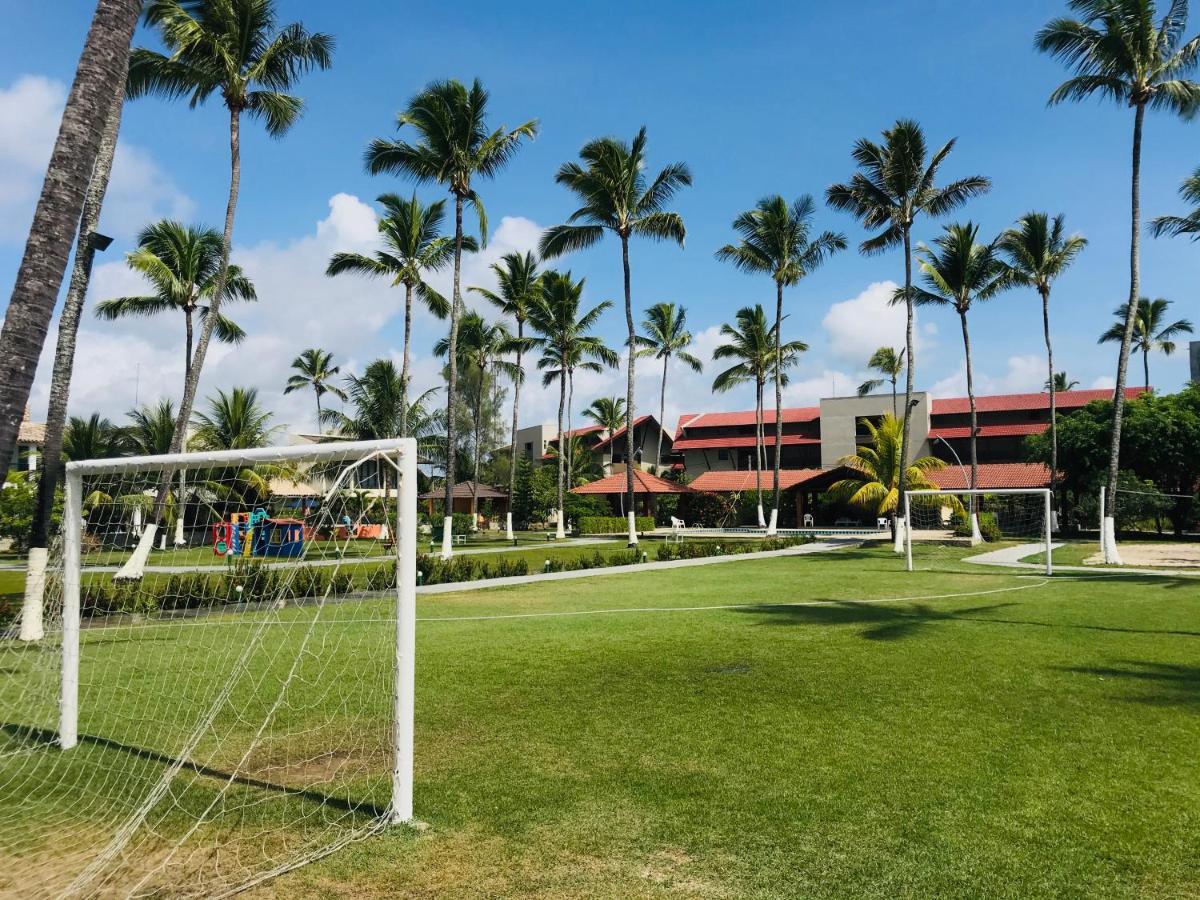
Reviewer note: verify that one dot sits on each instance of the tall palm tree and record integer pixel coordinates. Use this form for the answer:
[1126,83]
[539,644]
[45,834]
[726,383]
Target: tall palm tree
[752,344]
[1117,51]
[959,271]
[1059,383]
[608,413]
[616,196]
[1152,333]
[482,347]
[776,239]
[454,146]
[93,438]
[315,370]
[666,336]
[895,184]
[96,89]
[1039,250]
[874,480]
[518,288]
[889,363]
[563,331]
[183,265]
[1173,226]
[151,427]
[413,244]
[234,420]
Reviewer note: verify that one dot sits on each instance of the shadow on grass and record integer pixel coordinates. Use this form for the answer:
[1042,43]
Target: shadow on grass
[1162,684]
[884,622]
[47,738]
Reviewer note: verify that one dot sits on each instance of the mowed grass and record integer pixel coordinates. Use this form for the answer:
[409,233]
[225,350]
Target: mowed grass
[844,729]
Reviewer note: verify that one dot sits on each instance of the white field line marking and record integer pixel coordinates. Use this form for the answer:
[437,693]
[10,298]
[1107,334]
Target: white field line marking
[669,609]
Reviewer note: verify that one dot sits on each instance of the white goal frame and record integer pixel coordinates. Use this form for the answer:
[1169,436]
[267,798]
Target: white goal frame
[400,452]
[1045,493]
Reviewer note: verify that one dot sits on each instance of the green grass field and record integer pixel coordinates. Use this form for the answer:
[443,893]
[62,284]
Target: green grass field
[821,726]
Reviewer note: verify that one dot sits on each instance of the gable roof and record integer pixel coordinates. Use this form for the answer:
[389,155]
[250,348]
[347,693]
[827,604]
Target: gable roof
[994,475]
[643,483]
[640,420]
[743,480]
[1022,402]
[746,417]
[462,490]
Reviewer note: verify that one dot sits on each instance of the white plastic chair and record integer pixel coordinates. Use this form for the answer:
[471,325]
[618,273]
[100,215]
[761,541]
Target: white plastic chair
[883,522]
[677,523]
[808,520]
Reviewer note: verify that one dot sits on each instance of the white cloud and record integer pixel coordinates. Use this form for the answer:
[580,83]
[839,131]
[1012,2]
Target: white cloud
[809,391]
[859,326]
[1104,383]
[1024,374]
[30,111]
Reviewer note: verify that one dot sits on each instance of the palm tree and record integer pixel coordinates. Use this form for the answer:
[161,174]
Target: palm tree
[151,428]
[666,335]
[412,245]
[563,331]
[453,147]
[518,288]
[235,421]
[608,413]
[482,347]
[889,362]
[314,369]
[96,90]
[752,343]
[893,186]
[1059,383]
[1038,251]
[580,462]
[958,271]
[183,265]
[93,438]
[776,240]
[874,480]
[1173,226]
[1151,331]
[1117,51]
[232,48]
[616,196]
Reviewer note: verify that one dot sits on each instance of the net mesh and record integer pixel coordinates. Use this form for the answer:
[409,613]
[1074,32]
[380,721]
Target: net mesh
[234,702]
[949,526]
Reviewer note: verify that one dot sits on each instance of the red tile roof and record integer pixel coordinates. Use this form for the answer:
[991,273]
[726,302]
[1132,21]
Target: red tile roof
[789,440]
[1026,402]
[620,431]
[989,431]
[743,480]
[994,475]
[463,490]
[746,417]
[643,483]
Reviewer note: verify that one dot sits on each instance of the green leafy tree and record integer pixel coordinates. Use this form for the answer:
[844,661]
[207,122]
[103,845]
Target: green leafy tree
[889,363]
[1152,333]
[666,336]
[1117,51]
[315,371]
[751,343]
[617,197]
[776,239]
[959,271]
[895,183]
[413,245]
[1173,226]
[454,146]
[1038,251]
[518,287]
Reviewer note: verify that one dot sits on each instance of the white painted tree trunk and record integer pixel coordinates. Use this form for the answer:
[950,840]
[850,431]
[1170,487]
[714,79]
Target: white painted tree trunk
[447,537]
[762,519]
[560,530]
[35,586]
[901,529]
[772,527]
[135,567]
[976,535]
[1112,555]
[508,526]
[633,535]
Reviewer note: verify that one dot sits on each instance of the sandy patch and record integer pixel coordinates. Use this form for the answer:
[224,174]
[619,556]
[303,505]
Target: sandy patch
[1136,553]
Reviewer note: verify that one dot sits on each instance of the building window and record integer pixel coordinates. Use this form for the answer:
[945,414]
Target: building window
[723,456]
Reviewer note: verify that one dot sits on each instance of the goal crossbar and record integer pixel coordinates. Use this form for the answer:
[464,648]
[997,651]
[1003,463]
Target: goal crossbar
[1045,493]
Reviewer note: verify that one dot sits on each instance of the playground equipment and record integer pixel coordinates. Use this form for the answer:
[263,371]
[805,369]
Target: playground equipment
[257,534]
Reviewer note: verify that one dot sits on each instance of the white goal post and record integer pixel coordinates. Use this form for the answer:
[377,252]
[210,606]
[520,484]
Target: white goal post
[250,707]
[928,498]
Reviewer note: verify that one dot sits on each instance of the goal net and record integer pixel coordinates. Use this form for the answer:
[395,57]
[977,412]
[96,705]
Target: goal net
[1139,510]
[944,527]
[216,683]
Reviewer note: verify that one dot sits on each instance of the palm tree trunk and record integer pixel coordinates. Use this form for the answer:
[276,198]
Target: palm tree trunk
[135,565]
[778,403]
[560,529]
[101,73]
[895,412]
[962,315]
[902,477]
[629,410]
[60,379]
[512,461]
[1146,366]
[404,365]
[760,450]
[188,340]
[318,393]
[1045,292]
[570,428]
[452,381]
[662,414]
[478,441]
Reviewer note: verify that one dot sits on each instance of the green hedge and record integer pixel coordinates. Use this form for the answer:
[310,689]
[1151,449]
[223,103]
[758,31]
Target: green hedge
[613,524]
[701,549]
[989,528]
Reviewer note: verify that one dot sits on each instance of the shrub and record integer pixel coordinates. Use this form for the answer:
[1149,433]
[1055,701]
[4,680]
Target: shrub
[708,510]
[613,524]
[989,528]
[701,549]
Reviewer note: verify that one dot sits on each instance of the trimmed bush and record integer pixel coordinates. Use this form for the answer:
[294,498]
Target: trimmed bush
[701,549]
[613,524]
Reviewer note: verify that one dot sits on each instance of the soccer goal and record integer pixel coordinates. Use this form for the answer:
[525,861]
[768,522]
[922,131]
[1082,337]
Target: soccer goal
[1141,509]
[941,524]
[240,705]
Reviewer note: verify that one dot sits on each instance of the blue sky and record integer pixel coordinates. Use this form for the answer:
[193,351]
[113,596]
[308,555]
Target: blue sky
[757,98]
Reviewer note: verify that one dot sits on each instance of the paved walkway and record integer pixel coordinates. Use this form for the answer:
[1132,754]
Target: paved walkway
[802,550]
[1010,557]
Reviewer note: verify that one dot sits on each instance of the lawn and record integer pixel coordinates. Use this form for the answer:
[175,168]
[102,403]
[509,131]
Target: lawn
[972,732]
